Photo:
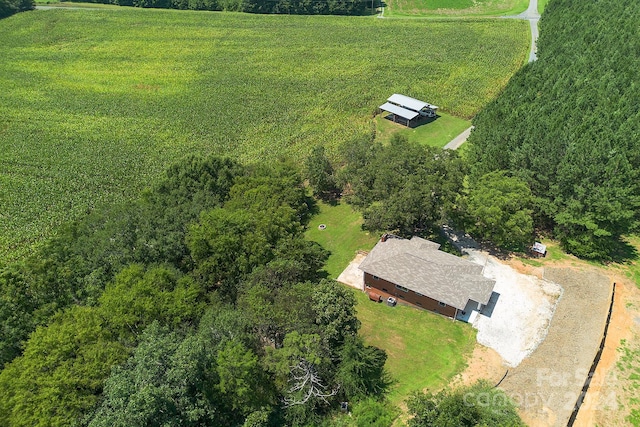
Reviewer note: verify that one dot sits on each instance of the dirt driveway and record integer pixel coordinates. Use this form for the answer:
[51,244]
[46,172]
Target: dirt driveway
[547,384]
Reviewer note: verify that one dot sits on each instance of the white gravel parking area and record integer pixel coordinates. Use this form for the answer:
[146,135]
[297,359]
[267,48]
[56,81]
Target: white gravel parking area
[520,319]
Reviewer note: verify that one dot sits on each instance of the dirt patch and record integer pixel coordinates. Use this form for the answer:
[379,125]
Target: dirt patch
[607,402]
[523,268]
[546,385]
[485,363]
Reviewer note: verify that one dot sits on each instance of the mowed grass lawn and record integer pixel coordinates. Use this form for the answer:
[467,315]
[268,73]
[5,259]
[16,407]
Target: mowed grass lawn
[424,350]
[95,104]
[343,235]
[436,133]
[436,8]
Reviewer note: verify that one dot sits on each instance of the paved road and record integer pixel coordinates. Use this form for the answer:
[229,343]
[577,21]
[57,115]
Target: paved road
[458,140]
[531,15]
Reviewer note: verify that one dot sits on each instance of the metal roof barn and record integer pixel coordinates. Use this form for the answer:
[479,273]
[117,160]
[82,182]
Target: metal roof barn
[410,103]
[408,115]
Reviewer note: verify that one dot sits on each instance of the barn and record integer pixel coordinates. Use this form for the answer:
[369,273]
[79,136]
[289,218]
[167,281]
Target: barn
[409,109]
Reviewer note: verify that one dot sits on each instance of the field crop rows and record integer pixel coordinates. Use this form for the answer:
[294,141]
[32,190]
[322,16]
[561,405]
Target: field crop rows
[431,8]
[95,104]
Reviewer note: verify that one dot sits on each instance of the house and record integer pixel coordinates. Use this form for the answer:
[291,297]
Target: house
[415,271]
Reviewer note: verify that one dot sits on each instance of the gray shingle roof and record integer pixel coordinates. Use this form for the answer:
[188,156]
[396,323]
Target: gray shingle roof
[417,264]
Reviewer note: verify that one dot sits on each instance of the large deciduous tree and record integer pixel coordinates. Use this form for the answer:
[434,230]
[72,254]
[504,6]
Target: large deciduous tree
[475,406]
[403,187]
[60,375]
[320,173]
[499,209]
[139,296]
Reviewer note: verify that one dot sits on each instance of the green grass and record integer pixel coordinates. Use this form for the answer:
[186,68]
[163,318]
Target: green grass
[424,350]
[436,133]
[633,266]
[628,366]
[343,235]
[95,104]
[459,8]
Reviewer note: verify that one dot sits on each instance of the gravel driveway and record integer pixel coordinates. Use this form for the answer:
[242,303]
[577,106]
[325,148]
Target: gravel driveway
[547,384]
[522,314]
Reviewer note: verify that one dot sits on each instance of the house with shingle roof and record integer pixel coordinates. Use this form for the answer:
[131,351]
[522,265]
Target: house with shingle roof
[415,271]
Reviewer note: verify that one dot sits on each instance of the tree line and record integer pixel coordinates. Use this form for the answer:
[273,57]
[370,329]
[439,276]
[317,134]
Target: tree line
[11,7]
[292,7]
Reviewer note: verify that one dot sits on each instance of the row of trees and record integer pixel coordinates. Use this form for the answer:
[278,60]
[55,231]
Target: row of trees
[297,7]
[567,125]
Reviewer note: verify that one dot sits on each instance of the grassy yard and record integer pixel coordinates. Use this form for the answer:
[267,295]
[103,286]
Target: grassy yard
[462,8]
[97,103]
[425,350]
[436,133]
[542,4]
[343,235]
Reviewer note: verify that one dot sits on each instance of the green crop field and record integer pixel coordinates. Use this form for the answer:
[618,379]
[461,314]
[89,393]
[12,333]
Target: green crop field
[454,7]
[95,104]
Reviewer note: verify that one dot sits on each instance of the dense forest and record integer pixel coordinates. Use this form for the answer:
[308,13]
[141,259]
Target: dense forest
[291,7]
[204,295]
[568,125]
[200,304]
